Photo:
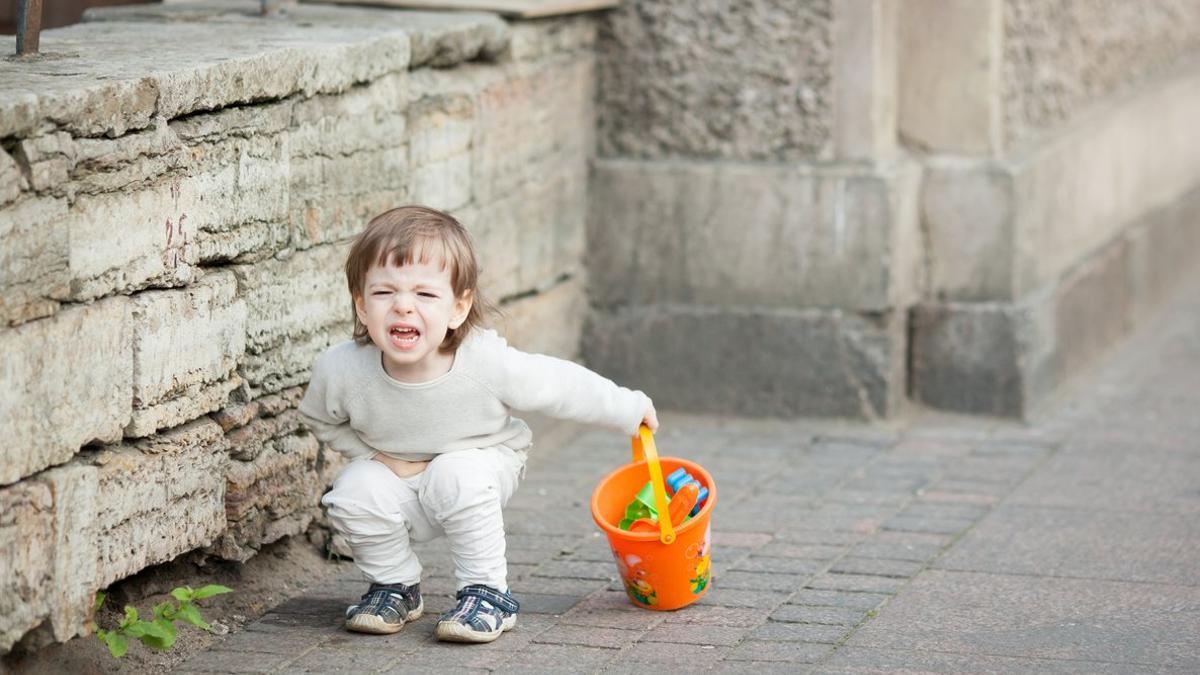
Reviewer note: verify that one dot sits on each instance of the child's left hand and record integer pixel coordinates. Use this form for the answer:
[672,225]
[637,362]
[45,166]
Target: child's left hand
[650,419]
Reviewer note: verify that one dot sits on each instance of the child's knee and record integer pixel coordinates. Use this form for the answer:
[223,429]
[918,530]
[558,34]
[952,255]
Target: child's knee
[366,499]
[458,480]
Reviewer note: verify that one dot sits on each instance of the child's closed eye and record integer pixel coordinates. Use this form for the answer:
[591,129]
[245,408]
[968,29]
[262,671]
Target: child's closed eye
[427,294]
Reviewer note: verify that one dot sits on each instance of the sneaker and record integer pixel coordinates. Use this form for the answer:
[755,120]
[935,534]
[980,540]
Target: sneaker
[385,608]
[481,615]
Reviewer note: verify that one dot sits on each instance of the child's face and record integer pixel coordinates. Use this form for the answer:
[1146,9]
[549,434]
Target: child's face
[407,311]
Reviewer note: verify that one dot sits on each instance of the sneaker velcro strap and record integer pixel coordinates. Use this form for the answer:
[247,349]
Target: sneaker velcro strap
[503,601]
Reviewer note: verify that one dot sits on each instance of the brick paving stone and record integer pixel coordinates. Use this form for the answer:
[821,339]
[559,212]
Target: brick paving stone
[648,653]
[746,617]
[931,447]
[723,597]
[849,496]
[904,523]
[609,609]
[958,497]
[760,581]
[289,642]
[450,655]
[833,523]
[800,632]
[831,616]
[851,599]
[803,536]
[696,634]
[820,552]
[791,652]
[543,603]
[218,661]
[756,563]
[332,619]
[588,636]
[924,509]
[902,569]
[856,582]
[727,556]
[577,569]
[328,660]
[555,659]
[551,586]
[755,668]
[749,540]
[896,551]
[978,489]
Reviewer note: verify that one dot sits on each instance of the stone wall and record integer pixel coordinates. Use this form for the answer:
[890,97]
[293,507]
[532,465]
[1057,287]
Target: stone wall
[836,207]
[1060,159]
[753,241]
[173,219]
[1062,56]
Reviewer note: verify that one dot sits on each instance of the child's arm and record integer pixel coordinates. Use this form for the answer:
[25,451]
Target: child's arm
[322,408]
[564,389]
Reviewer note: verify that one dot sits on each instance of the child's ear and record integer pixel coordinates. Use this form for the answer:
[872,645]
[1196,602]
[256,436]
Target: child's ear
[462,307]
[359,310]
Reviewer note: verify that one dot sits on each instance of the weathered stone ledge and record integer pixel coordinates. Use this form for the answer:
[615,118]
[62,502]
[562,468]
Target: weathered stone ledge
[206,56]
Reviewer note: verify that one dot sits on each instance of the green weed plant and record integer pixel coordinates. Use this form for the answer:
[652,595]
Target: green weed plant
[159,632]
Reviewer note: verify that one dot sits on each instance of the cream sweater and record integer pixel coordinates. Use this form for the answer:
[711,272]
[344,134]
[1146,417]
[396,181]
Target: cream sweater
[354,406]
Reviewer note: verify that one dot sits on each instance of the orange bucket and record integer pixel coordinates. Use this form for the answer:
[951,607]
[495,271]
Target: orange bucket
[670,568]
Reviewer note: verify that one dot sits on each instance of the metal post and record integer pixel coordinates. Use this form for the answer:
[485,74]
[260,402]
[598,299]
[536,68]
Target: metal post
[29,26]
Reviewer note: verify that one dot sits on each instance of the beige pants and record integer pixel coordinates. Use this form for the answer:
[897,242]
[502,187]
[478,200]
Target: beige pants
[459,495]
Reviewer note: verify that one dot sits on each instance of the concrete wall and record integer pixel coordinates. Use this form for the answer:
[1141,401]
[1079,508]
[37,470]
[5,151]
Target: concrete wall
[1058,143]
[173,219]
[753,240]
[835,206]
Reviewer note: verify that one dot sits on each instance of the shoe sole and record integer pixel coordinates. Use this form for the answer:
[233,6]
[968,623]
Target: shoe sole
[452,631]
[371,623]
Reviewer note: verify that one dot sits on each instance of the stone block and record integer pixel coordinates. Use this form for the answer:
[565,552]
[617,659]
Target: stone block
[967,213]
[158,498]
[535,40]
[186,346]
[335,196]
[290,298]
[966,357]
[26,558]
[295,308]
[155,236]
[275,495]
[865,51]
[700,80]
[555,99]
[547,322]
[951,88]
[136,158]
[439,150]
[733,235]
[34,255]
[12,181]
[63,391]
[46,160]
[803,362]
[532,237]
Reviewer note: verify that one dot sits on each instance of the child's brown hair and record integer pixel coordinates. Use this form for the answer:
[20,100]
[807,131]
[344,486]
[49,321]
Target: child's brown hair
[408,234]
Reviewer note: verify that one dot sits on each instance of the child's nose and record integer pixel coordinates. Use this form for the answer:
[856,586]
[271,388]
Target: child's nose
[404,302]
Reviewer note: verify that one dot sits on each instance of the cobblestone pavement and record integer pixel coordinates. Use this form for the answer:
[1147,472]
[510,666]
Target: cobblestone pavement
[937,545]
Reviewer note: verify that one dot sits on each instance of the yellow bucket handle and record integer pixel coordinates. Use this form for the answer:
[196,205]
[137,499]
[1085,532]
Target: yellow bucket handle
[643,448]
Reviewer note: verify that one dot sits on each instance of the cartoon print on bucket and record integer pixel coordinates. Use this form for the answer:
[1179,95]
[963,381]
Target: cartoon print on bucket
[636,586]
[702,551]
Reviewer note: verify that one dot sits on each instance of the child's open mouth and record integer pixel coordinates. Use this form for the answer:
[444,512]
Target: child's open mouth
[403,336]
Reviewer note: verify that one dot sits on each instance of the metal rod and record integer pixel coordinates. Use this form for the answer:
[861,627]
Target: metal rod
[29,26]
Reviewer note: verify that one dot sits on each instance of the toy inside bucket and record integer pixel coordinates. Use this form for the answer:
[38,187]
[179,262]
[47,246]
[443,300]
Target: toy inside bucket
[667,568]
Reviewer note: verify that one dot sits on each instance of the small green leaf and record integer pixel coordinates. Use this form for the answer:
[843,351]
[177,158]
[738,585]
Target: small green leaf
[99,601]
[164,610]
[211,590]
[117,644]
[183,593]
[159,634]
[190,614]
[131,616]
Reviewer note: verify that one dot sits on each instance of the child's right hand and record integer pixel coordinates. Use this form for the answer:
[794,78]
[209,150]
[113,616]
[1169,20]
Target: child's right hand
[650,418]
